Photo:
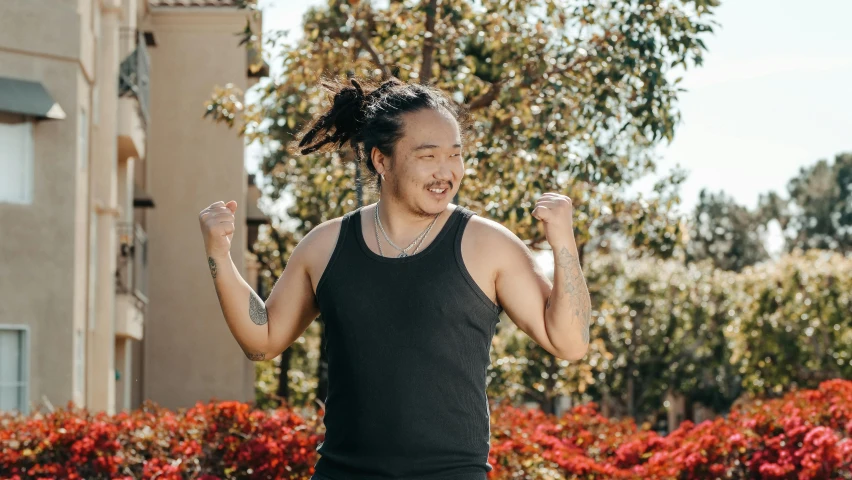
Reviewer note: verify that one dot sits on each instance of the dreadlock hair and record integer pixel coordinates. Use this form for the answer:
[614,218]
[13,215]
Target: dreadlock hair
[366,115]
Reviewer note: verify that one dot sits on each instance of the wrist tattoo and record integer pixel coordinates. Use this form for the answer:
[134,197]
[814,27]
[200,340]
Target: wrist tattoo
[257,309]
[212,264]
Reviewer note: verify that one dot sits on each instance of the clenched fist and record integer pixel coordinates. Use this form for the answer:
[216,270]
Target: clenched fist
[557,213]
[217,227]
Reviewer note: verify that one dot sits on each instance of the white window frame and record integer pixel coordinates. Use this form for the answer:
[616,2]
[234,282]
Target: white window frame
[29,158]
[25,362]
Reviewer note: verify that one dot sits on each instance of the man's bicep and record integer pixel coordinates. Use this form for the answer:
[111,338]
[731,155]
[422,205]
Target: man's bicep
[523,289]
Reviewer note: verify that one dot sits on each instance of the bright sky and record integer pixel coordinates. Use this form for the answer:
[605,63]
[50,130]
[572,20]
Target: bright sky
[773,95]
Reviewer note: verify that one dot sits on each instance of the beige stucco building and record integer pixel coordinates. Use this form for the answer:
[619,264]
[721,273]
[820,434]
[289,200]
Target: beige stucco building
[105,162]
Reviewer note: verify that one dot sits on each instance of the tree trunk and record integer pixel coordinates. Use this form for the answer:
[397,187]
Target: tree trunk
[631,407]
[428,42]
[631,367]
[283,390]
[550,393]
[548,406]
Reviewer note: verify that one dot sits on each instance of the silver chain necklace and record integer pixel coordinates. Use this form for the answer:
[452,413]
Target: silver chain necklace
[403,251]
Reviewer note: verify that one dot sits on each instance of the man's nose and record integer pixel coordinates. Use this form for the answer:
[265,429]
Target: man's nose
[444,172]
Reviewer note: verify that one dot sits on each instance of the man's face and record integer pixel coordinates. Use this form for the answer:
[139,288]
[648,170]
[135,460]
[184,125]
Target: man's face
[428,157]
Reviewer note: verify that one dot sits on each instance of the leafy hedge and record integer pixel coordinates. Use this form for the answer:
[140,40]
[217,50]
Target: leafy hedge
[805,435]
[707,334]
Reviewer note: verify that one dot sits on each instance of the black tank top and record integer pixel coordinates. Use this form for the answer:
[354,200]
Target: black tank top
[408,344]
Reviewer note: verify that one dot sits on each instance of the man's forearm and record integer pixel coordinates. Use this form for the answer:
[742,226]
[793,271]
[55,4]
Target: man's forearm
[568,312]
[244,311]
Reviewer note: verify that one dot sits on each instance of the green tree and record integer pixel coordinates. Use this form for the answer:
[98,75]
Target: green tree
[727,234]
[566,96]
[818,211]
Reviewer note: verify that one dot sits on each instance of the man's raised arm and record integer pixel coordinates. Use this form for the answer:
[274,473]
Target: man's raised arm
[556,316]
[262,330]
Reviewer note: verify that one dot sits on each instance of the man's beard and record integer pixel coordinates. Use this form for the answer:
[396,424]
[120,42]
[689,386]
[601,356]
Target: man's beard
[393,189]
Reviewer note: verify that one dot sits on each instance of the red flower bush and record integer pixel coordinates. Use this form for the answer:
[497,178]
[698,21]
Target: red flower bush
[212,441]
[805,435]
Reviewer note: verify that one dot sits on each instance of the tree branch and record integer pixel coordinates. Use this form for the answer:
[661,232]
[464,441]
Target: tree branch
[428,42]
[364,40]
[486,98]
[377,57]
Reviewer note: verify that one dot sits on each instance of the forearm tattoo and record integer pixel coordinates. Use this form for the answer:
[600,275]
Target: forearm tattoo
[212,264]
[257,309]
[213,271]
[574,286]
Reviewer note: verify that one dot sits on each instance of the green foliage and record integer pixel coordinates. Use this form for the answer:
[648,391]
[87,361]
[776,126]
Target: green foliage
[656,326]
[521,370]
[793,326]
[818,212]
[299,375]
[661,321]
[708,334]
[567,97]
[725,233]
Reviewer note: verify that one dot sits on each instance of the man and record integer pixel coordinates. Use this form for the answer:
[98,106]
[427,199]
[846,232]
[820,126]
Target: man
[410,289]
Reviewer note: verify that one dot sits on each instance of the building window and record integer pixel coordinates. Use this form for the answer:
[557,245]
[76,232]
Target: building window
[16,161]
[14,352]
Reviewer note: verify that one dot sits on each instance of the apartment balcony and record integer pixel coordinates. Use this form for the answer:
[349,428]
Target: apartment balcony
[134,101]
[131,280]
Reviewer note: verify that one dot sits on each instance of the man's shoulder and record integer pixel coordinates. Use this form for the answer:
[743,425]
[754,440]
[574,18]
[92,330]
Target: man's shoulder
[488,229]
[490,234]
[320,241]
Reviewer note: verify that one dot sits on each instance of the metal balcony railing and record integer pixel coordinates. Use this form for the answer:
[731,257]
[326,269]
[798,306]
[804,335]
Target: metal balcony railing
[134,77]
[132,263]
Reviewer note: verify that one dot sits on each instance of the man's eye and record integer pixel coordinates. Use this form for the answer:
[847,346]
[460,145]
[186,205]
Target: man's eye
[428,156]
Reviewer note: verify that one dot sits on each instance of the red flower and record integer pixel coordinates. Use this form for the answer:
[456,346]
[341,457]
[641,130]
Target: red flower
[805,435]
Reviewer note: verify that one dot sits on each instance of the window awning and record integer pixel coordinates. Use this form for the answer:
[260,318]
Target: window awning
[30,98]
[141,198]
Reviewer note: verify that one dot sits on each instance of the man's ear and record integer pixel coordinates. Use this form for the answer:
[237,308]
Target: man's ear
[380,161]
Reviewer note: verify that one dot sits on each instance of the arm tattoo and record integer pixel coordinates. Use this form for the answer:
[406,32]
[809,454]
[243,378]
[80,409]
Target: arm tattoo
[570,265]
[574,286]
[212,264]
[213,271]
[257,309]
[255,356]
